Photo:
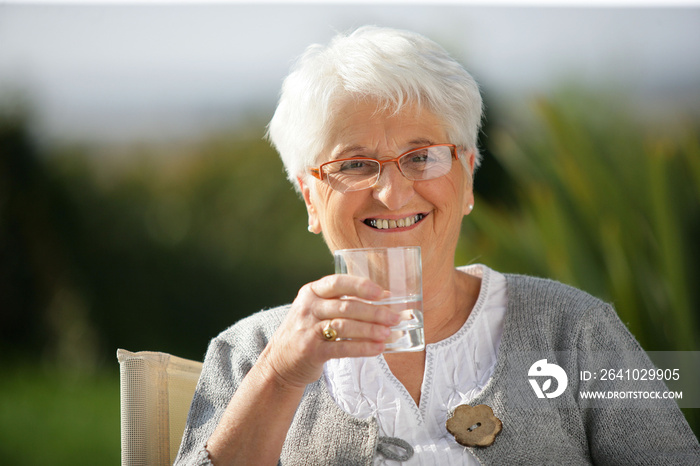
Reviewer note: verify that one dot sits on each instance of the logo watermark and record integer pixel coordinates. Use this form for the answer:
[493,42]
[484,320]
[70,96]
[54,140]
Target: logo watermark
[626,379]
[541,369]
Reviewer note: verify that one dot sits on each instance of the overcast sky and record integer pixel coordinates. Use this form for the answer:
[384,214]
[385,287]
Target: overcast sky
[134,71]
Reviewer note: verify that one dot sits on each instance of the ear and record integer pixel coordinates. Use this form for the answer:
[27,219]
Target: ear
[314,222]
[470,159]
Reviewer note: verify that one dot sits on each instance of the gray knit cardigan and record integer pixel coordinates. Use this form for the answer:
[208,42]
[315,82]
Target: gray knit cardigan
[544,319]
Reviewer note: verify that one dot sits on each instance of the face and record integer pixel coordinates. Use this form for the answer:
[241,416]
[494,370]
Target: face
[431,211]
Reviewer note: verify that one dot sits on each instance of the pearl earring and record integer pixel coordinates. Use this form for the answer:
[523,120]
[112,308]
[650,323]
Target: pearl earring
[311,229]
[470,207]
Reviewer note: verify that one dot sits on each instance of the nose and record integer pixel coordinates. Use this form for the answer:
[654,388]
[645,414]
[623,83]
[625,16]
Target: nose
[392,188]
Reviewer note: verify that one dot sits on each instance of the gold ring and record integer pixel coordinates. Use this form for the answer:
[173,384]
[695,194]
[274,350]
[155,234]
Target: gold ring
[329,332]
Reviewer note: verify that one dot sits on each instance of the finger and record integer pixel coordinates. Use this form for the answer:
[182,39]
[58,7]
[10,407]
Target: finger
[335,286]
[356,330]
[356,310]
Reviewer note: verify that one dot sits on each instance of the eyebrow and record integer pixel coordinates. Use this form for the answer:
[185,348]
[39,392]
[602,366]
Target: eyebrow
[420,142]
[349,149]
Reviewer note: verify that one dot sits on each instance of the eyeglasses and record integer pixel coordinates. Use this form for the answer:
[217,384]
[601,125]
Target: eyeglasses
[355,174]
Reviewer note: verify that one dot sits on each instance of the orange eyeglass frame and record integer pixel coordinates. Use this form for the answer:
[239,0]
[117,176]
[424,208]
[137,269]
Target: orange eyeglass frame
[318,172]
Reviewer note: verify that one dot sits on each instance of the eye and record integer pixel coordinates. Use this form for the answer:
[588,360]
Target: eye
[420,156]
[350,165]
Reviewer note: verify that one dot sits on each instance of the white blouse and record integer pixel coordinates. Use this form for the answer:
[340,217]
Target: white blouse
[456,369]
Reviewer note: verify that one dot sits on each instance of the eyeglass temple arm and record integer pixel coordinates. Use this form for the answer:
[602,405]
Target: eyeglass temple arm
[316,173]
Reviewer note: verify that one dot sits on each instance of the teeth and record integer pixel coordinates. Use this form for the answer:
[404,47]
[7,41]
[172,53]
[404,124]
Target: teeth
[383,224]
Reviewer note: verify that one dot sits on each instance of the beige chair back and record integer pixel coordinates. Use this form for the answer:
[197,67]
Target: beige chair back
[156,390]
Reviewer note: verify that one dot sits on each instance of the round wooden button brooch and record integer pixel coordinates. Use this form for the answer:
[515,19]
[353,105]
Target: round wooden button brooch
[474,426]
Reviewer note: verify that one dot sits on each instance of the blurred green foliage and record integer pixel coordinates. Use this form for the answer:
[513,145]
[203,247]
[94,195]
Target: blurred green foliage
[187,241]
[603,203]
[155,248]
[160,247]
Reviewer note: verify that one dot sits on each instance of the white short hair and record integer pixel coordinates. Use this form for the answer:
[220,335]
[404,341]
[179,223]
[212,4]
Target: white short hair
[393,67]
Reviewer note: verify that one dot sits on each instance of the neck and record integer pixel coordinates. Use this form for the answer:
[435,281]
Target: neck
[448,299]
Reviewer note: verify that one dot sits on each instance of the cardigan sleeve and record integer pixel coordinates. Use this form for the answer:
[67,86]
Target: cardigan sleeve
[632,427]
[228,359]
[217,384]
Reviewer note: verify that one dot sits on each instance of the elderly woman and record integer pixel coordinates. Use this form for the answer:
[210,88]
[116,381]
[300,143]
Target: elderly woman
[353,120]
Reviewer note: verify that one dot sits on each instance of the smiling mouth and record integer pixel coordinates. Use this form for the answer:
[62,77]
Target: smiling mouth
[385,224]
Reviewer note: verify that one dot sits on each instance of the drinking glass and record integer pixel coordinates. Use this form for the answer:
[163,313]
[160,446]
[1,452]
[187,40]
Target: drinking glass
[398,272]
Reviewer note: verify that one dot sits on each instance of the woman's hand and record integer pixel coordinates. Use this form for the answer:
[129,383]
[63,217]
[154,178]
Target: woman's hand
[254,426]
[298,350]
